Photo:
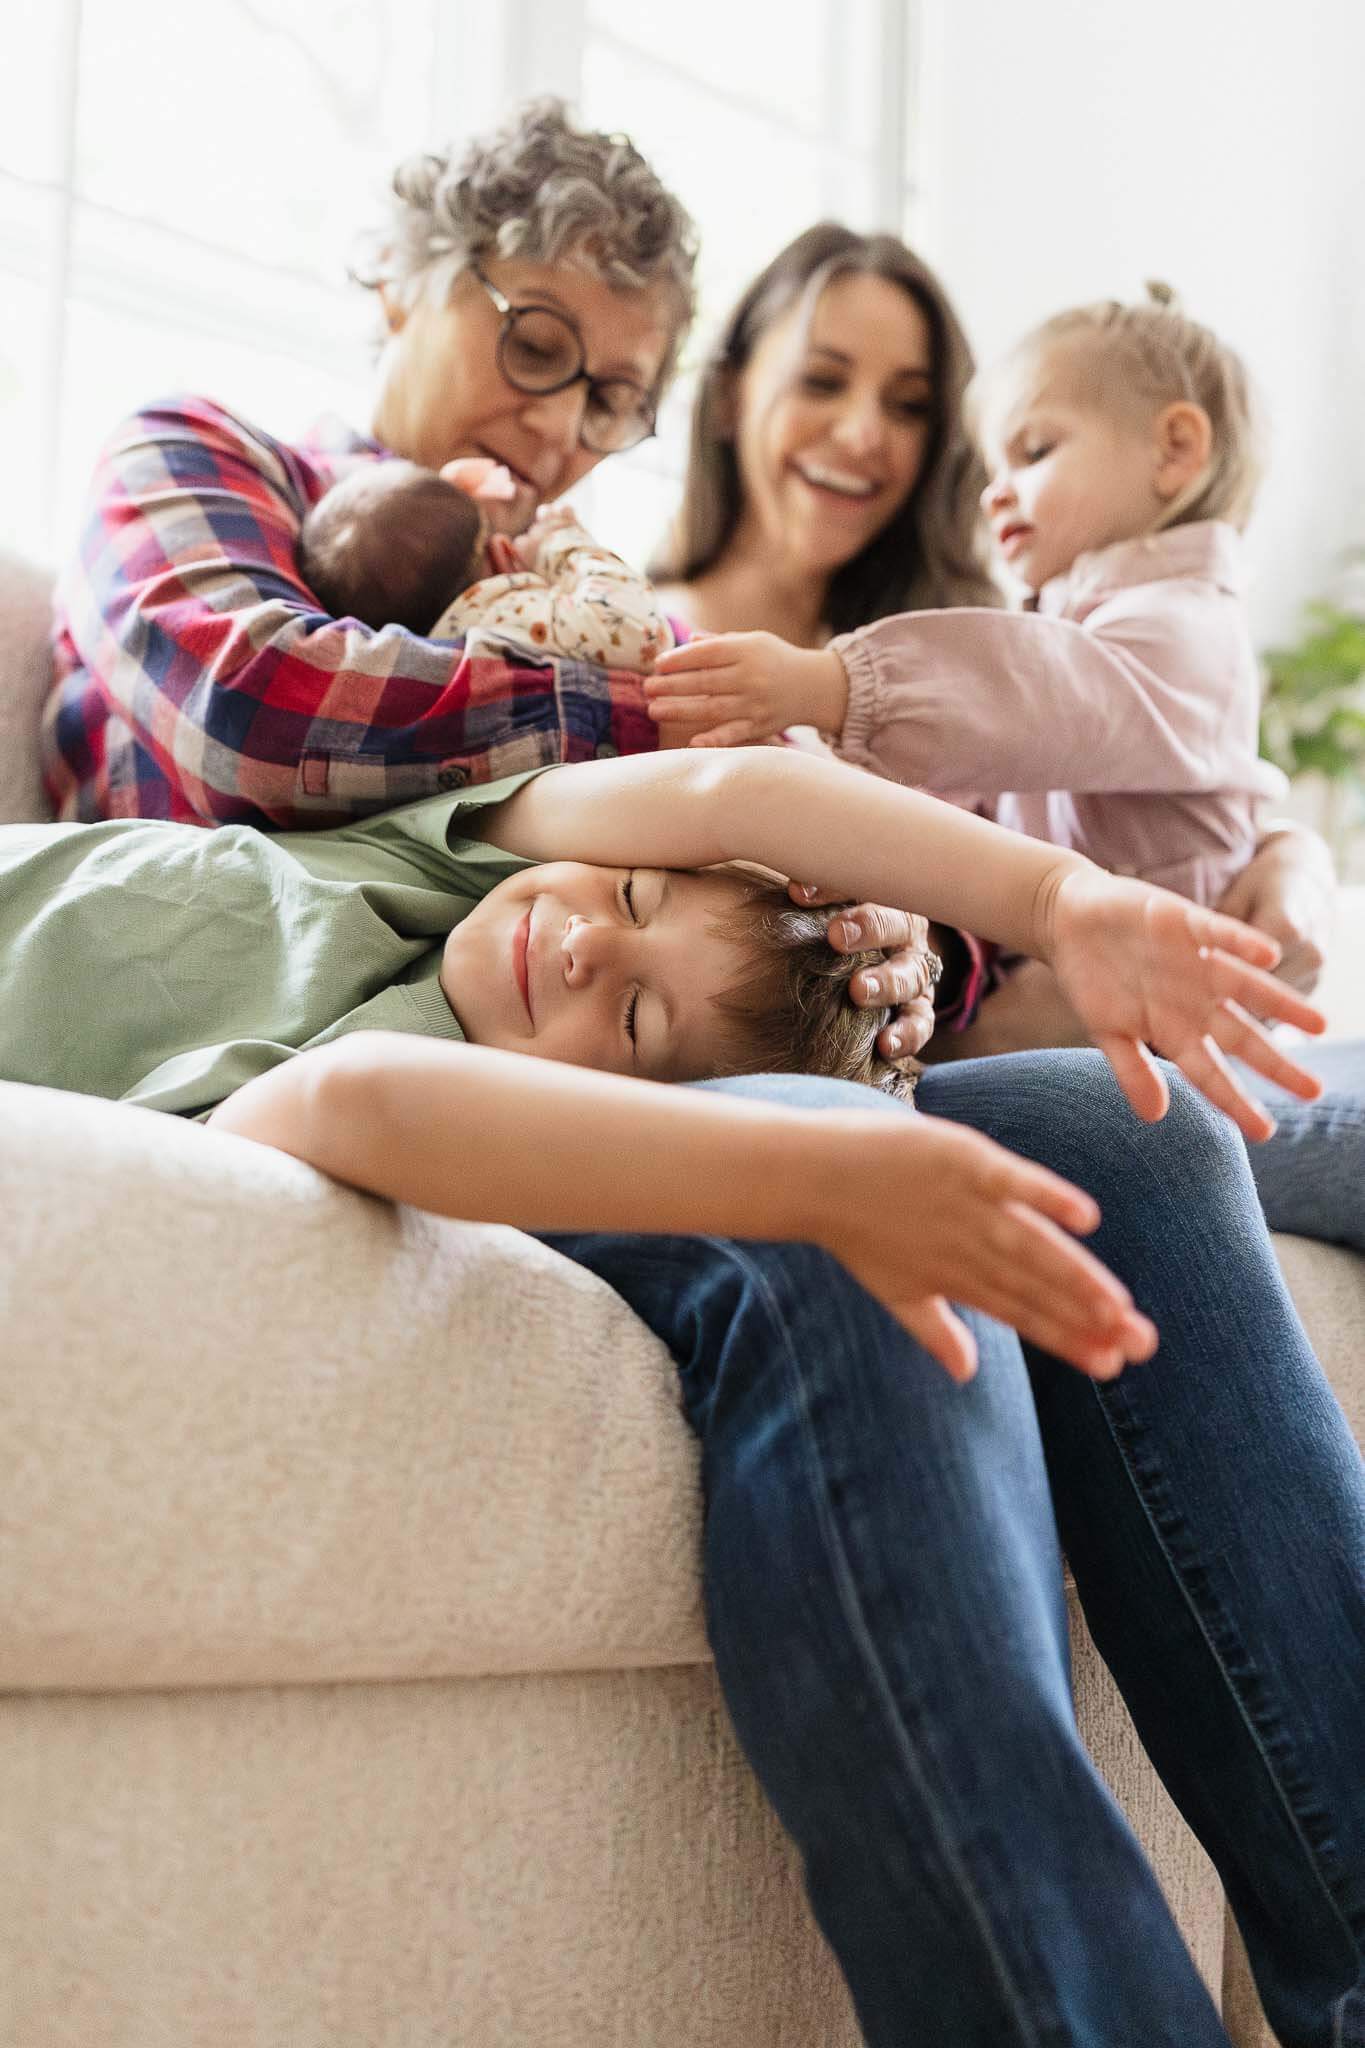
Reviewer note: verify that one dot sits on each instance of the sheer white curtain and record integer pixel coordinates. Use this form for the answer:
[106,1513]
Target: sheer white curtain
[180,187]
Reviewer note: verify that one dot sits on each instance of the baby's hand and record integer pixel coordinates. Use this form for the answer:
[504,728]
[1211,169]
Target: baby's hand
[485,480]
[1145,970]
[748,686]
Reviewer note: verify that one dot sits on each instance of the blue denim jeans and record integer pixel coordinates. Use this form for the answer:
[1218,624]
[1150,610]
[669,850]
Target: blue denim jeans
[1311,1174]
[883,1581]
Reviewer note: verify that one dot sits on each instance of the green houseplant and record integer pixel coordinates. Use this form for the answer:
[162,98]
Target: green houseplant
[1313,711]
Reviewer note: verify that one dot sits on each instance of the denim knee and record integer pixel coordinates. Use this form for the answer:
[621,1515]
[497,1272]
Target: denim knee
[1195,1152]
[1086,1093]
[805,1091]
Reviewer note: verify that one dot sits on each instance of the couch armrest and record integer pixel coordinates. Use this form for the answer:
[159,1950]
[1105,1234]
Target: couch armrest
[264,1428]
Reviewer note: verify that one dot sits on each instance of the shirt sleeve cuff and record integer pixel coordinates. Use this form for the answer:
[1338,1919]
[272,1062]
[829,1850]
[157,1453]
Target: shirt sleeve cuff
[863,713]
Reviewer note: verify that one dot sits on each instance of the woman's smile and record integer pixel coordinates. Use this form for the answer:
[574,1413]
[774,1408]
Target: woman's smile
[835,486]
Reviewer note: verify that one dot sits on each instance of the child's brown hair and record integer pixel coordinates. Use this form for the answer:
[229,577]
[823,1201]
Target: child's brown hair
[791,1013]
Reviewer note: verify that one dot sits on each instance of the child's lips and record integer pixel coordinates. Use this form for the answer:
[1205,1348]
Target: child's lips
[1011,538]
[521,946]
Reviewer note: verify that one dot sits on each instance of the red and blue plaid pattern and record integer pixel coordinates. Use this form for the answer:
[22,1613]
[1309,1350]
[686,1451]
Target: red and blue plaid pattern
[198,680]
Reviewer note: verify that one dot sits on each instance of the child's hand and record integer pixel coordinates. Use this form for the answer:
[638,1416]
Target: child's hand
[749,685]
[1146,970]
[943,1215]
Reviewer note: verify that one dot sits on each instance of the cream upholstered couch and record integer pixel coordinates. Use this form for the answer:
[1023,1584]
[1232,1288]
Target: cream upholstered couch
[353,1686]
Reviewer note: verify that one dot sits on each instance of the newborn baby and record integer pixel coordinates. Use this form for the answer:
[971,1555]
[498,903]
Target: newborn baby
[395,544]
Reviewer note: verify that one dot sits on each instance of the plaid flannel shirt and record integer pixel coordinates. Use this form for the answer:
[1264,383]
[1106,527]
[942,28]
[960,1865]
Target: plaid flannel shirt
[198,680]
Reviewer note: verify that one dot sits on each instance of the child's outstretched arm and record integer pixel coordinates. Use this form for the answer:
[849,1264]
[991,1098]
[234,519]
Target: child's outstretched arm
[1140,966]
[496,1137]
[989,700]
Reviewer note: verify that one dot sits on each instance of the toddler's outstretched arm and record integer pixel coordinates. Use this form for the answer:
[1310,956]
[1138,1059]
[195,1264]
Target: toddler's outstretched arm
[989,700]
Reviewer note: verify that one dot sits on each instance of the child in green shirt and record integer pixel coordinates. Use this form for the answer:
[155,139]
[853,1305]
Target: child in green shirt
[179,969]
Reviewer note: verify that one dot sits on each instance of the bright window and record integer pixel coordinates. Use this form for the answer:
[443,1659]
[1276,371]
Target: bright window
[181,189]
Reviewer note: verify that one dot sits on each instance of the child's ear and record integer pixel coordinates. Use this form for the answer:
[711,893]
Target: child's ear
[1184,444]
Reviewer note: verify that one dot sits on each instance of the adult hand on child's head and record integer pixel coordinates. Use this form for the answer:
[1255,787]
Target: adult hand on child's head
[1148,971]
[904,981]
[747,686]
[1287,890]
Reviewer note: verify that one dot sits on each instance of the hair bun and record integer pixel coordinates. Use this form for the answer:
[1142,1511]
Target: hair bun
[1162,294]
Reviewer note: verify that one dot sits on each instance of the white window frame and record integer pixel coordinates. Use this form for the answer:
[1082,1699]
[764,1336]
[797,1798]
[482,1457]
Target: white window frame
[485,58]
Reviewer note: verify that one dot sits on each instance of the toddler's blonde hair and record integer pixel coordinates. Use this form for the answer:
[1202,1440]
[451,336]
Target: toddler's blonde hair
[1145,357]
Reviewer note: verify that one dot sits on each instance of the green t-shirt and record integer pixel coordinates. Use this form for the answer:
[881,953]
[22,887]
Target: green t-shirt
[167,965]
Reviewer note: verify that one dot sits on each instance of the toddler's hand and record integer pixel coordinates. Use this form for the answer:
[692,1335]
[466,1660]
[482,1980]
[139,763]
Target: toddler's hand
[1145,970]
[945,1215]
[749,686]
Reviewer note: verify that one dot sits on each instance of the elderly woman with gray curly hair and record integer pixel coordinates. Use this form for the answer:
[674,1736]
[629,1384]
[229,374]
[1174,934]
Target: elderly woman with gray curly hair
[533,296]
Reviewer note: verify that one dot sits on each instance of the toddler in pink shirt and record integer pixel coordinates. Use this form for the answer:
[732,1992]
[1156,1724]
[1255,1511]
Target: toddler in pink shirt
[1117,713]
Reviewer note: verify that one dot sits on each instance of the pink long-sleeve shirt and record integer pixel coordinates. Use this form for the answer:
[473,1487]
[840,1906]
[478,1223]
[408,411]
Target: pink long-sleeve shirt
[1133,685]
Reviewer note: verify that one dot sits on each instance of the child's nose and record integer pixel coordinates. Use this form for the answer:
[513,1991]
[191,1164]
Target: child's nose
[999,491]
[585,949]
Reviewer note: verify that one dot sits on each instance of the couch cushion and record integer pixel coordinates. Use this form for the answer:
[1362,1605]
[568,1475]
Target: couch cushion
[25,677]
[1328,1286]
[260,1427]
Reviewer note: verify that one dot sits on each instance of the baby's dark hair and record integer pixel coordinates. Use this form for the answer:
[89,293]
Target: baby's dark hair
[391,545]
[790,1012]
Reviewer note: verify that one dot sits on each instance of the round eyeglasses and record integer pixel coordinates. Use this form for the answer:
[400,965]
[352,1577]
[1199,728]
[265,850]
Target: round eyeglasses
[541,351]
